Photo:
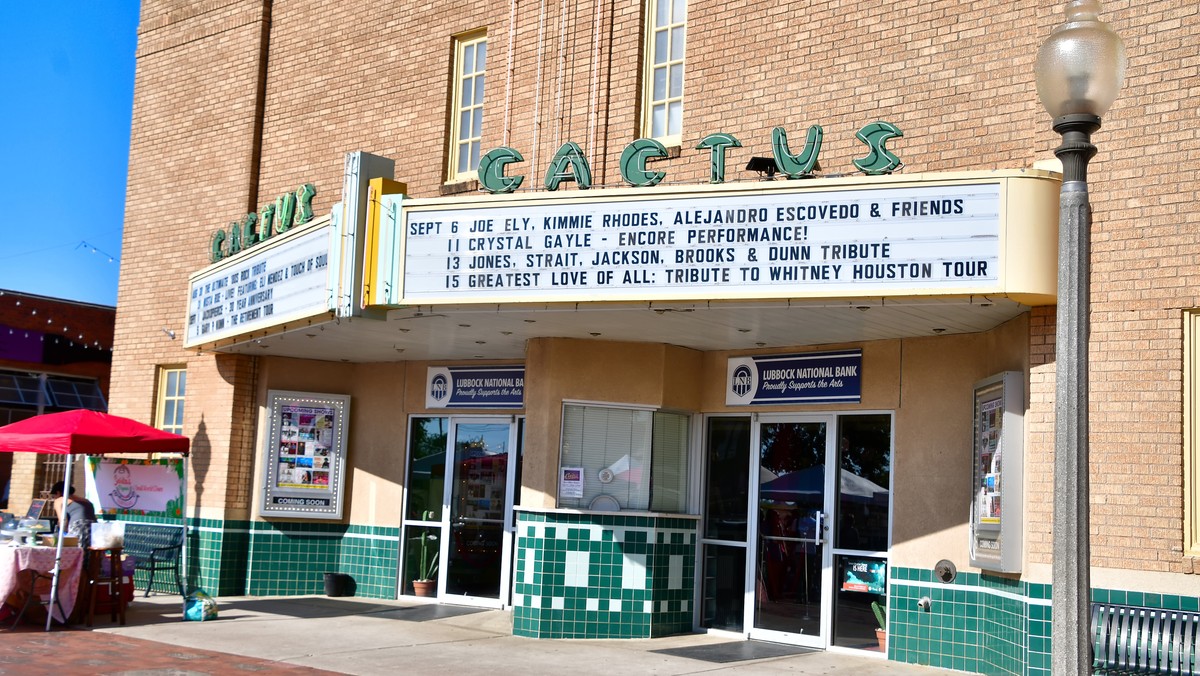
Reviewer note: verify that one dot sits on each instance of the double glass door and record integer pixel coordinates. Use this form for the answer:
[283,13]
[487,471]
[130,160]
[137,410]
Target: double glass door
[457,532]
[796,527]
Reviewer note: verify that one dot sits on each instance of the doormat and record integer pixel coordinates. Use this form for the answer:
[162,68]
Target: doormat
[735,651]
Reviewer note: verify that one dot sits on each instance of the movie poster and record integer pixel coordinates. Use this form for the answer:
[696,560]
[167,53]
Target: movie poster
[306,436]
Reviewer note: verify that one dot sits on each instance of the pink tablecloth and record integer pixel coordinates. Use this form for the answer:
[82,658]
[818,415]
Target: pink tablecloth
[15,559]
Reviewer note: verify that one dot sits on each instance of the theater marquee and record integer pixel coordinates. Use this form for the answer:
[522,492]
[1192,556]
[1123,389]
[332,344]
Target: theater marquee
[864,237]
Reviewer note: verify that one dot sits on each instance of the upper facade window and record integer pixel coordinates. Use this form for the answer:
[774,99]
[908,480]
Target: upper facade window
[662,95]
[466,107]
[172,386]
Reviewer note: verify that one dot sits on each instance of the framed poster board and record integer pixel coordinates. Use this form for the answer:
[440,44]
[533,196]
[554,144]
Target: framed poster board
[998,461]
[305,455]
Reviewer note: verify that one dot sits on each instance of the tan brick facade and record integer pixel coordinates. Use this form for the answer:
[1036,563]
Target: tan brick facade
[192,155]
[240,100]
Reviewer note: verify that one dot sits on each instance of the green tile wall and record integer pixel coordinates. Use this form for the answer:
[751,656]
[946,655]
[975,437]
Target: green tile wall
[603,576]
[235,558]
[292,558]
[986,624]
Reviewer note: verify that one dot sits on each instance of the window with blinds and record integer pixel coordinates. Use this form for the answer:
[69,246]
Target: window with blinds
[630,458]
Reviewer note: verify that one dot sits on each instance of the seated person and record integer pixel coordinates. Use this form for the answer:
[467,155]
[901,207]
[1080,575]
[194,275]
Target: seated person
[76,513]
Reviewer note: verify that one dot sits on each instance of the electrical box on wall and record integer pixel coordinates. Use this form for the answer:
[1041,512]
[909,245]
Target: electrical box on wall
[997,498]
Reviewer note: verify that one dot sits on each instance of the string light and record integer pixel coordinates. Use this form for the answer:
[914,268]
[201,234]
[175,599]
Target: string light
[84,245]
[41,336]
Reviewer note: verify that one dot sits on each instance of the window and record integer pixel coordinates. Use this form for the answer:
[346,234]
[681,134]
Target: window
[51,392]
[20,389]
[172,385]
[69,394]
[1191,432]
[630,458]
[662,97]
[466,108]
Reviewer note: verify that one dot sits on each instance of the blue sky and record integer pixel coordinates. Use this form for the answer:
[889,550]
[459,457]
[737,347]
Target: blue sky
[66,74]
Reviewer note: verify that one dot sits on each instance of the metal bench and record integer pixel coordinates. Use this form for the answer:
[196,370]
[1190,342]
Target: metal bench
[1135,640]
[155,548]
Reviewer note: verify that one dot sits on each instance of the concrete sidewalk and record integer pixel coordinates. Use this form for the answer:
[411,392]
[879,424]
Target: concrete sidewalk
[358,636]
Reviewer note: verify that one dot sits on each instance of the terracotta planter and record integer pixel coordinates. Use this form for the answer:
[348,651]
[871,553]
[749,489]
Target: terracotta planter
[881,636]
[425,587]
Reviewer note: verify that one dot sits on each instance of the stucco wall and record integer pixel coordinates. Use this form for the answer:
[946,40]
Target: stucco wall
[596,371]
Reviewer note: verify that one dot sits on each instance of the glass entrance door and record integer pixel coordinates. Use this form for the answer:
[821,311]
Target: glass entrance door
[792,558]
[457,541]
[479,490]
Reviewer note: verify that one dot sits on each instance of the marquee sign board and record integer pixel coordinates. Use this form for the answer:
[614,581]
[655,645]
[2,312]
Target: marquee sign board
[284,280]
[848,239]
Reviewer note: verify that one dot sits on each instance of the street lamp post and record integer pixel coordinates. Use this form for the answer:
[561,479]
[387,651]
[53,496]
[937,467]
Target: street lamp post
[1080,69]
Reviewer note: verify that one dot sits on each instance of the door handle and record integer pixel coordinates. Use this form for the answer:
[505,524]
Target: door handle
[819,527]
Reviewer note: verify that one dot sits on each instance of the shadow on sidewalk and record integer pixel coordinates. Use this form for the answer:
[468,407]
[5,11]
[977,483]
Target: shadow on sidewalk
[159,610]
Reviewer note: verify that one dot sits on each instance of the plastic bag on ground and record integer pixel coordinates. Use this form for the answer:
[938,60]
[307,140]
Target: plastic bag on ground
[200,607]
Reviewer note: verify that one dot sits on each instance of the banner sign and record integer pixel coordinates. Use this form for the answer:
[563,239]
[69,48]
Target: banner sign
[475,387]
[764,244]
[145,487]
[864,575]
[808,378]
[306,455]
[289,280]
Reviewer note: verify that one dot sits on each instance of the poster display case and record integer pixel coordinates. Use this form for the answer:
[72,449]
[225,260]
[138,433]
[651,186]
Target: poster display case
[305,455]
[996,505]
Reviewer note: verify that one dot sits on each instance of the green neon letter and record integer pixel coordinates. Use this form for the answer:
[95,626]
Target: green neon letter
[235,239]
[718,142]
[569,155]
[797,166]
[491,171]
[285,211]
[218,241]
[880,161]
[249,231]
[266,222]
[304,196]
[633,162]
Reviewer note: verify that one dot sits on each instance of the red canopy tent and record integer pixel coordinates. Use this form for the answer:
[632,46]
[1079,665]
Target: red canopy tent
[83,432]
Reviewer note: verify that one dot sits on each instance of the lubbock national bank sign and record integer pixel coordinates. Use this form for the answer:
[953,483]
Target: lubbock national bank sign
[809,378]
[962,235]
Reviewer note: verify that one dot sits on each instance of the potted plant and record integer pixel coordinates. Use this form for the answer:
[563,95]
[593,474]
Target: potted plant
[425,581]
[880,609]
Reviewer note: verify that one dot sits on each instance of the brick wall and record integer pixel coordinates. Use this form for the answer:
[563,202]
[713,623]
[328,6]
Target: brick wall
[957,79]
[192,169]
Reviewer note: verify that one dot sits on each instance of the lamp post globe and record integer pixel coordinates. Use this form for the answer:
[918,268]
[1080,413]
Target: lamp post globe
[1080,68]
